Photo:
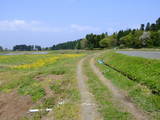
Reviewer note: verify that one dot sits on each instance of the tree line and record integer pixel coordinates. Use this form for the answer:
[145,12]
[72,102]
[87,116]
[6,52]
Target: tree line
[67,45]
[146,36]
[27,47]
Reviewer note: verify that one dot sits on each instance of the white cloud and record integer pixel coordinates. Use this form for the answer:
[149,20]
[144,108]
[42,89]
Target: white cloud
[12,25]
[37,26]
[22,25]
[76,27]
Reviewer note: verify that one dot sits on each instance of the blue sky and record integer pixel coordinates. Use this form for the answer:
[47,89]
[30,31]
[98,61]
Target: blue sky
[48,22]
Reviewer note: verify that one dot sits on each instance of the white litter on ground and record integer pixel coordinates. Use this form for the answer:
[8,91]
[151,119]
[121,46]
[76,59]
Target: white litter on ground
[47,109]
[38,110]
[61,103]
[88,104]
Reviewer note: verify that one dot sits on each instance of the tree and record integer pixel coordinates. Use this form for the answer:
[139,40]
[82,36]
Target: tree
[107,42]
[142,27]
[1,48]
[155,37]
[37,47]
[84,43]
[146,39]
[78,45]
[153,27]
[136,41]
[66,45]
[127,40]
[121,34]
[23,48]
[158,23]
[93,40]
[147,27]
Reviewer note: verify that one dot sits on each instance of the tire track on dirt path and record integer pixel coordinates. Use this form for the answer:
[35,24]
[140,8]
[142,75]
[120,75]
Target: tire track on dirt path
[118,95]
[88,105]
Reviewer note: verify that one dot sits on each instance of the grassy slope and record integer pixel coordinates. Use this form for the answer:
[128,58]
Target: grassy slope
[107,108]
[144,71]
[63,89]
[141,95]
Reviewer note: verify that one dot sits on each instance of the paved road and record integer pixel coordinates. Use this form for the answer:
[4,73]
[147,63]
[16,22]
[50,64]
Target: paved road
[145,54]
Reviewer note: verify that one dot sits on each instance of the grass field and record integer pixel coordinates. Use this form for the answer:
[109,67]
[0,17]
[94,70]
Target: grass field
[48,79]
[143,71]
[145,74]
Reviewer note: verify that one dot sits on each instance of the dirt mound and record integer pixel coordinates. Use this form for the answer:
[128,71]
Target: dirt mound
[13,106]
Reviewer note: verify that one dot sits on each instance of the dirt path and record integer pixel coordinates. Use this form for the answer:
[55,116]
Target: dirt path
[119,95]
[88,106]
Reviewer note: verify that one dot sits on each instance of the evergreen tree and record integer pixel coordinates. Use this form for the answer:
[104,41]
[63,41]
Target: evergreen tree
[142,27]
[153,27]
[1,48]
[78,45]
[147,27]
[37,47]
[158,23]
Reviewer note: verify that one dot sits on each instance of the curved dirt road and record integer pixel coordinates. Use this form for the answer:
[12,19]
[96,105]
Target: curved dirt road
[88,105]
[118,95]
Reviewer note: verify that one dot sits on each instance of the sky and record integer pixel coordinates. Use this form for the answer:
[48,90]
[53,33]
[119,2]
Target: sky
[48,22]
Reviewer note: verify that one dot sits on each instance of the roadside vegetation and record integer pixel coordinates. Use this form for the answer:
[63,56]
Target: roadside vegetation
[145,80]
[50,80]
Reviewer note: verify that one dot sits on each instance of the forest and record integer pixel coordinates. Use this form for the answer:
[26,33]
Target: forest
[147,36]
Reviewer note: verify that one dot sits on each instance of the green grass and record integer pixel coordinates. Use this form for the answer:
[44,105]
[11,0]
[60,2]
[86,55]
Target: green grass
[140,94]
[143,71]
[66,89]
[20,59]
[108,109]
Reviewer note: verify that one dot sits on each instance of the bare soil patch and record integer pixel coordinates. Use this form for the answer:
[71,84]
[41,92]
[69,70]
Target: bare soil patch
[51,77]
[14,106]
[4,66]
